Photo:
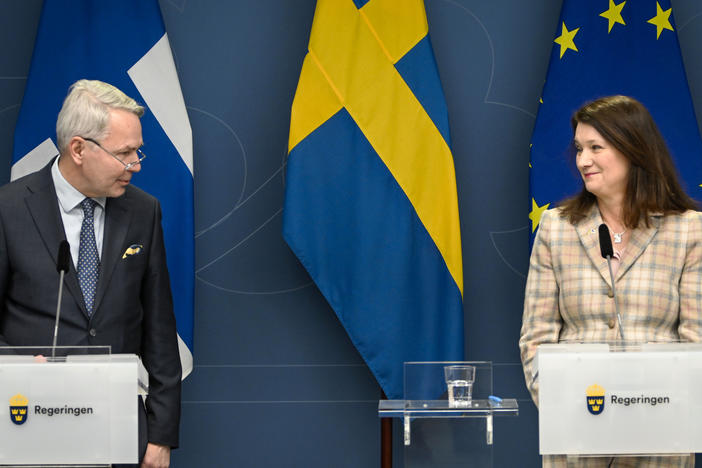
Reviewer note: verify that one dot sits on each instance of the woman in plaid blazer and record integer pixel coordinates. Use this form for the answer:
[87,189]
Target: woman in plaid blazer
[630,184]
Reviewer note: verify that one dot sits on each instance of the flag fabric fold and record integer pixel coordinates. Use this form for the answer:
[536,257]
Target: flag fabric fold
[603,48]
[125,44]
[370,205]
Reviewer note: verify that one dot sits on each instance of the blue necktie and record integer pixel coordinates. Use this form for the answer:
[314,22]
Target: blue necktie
[88,259]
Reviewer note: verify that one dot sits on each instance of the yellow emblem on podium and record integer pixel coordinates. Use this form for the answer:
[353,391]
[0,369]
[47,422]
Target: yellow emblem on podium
[19,405]
[595,397]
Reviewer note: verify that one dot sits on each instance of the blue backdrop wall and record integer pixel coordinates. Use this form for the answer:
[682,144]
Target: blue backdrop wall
[277,382]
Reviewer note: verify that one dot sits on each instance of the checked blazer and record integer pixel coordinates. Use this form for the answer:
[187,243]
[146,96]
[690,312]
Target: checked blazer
[568,290]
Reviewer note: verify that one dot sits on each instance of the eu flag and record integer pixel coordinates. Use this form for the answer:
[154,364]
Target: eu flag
[604,48]
[370,207]
[125,44]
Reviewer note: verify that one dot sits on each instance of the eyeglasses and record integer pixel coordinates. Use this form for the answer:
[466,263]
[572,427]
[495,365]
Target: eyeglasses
[127,166]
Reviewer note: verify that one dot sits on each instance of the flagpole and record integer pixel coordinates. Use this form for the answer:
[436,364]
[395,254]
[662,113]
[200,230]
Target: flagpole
[385,439]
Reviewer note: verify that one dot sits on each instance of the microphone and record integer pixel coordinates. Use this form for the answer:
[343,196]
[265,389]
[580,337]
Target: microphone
[62,264]
[64,256]
[607,252]
[605,242]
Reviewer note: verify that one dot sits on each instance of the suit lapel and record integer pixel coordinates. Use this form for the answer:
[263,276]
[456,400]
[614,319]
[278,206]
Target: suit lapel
[117,219]
[588,232]
[43,206]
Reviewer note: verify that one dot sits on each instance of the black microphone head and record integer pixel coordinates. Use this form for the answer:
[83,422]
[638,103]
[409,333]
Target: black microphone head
[605,242]
[64,257]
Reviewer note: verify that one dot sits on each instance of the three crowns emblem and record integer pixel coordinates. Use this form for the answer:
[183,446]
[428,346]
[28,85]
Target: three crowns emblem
[18,409]
[595,398]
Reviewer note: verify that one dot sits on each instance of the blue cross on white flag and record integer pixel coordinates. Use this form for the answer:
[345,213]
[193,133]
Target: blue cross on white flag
[125,44]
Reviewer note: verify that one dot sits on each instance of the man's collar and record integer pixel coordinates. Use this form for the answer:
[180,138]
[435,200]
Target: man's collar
[68,196]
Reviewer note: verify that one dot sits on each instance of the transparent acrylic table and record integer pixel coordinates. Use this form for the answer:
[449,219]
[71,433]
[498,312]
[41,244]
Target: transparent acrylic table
[415,409]
[438,435]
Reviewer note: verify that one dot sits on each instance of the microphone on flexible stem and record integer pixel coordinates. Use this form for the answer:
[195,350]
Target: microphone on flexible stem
[62,263]
[608,252]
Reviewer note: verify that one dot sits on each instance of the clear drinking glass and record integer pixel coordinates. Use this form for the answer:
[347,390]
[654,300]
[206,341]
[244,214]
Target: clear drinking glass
[459,380]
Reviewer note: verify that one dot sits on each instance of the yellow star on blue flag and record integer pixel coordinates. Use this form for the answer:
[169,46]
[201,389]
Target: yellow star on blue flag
[535,214]
[613,14]
[566,40]
[661,20]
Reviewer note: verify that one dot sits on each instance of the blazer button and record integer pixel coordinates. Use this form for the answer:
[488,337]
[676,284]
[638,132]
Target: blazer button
[610,293]
[93,332]
[611,323]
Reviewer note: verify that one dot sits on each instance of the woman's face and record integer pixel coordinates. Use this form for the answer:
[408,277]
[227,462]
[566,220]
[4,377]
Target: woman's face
[605,171]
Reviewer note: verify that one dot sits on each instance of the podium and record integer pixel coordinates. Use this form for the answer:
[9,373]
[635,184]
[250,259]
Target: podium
[619,399]
[437,435]
[80,408]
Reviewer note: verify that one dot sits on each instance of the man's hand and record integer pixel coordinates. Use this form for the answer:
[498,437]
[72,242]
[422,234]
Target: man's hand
[156,456]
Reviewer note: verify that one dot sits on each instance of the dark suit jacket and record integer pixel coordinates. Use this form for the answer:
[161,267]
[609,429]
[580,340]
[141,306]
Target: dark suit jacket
[133,310]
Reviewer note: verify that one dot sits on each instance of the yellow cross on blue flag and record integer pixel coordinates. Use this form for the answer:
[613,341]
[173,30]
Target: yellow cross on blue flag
[603,48]
[370,207]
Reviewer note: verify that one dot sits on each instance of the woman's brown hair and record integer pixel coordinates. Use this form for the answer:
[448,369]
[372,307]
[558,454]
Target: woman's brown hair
[653,185]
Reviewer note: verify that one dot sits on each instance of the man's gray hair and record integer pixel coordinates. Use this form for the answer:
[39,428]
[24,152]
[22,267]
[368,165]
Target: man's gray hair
[86,111]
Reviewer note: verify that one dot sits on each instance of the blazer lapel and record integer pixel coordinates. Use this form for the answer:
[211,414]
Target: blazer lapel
[638,241]
[588,232]
[117,219]
[43,206]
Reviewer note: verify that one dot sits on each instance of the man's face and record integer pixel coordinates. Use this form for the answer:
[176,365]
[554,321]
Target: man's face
[105,176]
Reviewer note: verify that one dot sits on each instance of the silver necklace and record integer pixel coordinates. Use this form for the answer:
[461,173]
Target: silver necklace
[618,236]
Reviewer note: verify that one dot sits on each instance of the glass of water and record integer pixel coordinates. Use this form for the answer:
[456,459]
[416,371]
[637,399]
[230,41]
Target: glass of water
[459,380]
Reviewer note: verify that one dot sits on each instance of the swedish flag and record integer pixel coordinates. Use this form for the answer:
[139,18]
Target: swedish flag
[603,48]
[370,205]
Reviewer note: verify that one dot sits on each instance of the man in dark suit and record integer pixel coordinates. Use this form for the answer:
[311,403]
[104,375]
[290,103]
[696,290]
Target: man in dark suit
[117,286]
